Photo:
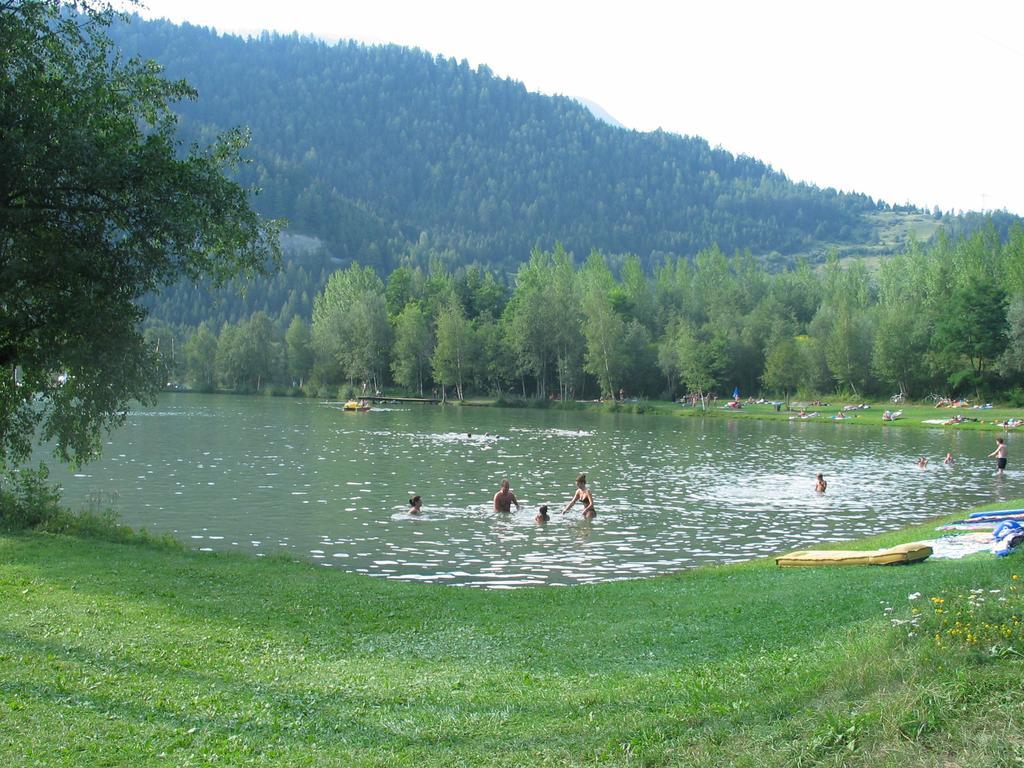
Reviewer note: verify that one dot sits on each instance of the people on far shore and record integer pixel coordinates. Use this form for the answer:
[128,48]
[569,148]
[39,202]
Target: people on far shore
[504,498]
[820,483]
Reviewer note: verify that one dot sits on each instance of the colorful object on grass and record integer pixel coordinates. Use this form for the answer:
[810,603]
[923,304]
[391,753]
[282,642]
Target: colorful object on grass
[902,553]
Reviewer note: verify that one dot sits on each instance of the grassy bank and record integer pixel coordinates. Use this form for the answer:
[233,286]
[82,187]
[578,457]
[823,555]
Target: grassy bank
[133,654]
[911,415]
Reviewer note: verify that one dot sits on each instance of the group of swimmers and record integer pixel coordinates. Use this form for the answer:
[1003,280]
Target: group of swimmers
[505,498]
[999,454]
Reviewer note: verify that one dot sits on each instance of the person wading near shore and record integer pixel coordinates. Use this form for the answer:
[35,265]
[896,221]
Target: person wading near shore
[504,498]
[1000,455]
[583,495]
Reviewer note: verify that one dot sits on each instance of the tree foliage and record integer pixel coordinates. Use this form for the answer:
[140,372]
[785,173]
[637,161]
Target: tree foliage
[932,319]
[974,332]
[410,360]
[605,330]
[100,204]
[201,359]
[351,331]
[455,351]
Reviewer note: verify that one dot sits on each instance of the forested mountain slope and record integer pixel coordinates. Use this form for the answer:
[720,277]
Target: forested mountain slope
[379,151]
[387,155]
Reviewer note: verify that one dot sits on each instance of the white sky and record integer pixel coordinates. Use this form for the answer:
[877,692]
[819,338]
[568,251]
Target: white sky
[903,100]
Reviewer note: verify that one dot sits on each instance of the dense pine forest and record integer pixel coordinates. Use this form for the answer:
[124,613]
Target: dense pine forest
[376,149]
[390,156]
[450,232]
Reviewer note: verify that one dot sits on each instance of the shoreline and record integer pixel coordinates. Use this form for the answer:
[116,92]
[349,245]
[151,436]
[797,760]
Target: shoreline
[911,416]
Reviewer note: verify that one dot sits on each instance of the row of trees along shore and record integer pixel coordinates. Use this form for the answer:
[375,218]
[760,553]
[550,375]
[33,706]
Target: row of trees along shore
[946,317]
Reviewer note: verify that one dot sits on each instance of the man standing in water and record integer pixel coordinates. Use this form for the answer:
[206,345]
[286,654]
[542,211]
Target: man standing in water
[504,498]
[1000,455]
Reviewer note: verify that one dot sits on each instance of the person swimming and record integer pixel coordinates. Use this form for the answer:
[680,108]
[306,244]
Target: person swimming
[584,496]
[542,514]
[414,505]
[820,483]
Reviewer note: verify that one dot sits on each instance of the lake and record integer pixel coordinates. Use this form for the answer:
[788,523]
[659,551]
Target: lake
[274,475]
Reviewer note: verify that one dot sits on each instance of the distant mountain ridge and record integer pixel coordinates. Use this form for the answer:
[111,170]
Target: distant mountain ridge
[388,155]
[599,112]
[376,149]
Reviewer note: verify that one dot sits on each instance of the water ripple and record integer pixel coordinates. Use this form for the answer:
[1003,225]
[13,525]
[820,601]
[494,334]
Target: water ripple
[242,473]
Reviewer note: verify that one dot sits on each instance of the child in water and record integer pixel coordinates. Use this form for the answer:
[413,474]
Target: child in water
[820,483]
[542,515]
[414,505]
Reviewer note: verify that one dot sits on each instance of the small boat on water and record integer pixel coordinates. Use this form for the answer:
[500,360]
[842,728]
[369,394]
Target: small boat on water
[356,406]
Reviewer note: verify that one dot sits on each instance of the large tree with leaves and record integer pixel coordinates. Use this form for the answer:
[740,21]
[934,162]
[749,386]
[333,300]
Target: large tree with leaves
[782,370]
[99,205]
[842,324]
[414,345]
[201,359]
[350,327]
[607,352]
[701,358]
[298,351]
[902,328]
[542,321]
[972,334]
[454,352]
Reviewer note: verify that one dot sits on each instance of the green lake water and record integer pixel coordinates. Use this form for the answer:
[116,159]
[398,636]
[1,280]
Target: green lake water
[268,475]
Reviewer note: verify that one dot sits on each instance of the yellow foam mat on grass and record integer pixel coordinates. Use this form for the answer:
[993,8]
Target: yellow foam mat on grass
[902,553]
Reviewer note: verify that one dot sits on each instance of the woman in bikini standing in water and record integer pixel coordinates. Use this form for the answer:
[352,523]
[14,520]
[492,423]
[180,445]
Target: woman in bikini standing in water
[583,495]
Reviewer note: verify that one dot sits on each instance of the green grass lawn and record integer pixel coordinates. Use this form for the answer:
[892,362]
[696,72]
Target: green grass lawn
[141,654]
[913,414]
